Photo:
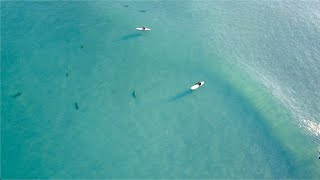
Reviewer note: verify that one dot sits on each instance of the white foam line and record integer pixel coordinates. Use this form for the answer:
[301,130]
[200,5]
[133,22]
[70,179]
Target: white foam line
[305,120]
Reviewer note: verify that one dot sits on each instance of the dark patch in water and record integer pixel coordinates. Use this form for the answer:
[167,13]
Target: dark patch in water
[67,74]
[16,95]
[81,46]
[76,106]
[131,36]
[134,94]
[143,11]
[125,5]
[180,95]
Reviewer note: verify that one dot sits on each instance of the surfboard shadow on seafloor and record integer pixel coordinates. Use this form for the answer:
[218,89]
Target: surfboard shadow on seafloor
[180,95]
[131,36]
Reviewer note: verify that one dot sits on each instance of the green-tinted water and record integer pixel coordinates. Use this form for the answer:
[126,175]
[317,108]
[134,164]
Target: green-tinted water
[134,116]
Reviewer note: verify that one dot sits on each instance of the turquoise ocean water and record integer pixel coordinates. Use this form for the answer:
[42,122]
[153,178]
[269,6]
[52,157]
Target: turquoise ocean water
[85,95]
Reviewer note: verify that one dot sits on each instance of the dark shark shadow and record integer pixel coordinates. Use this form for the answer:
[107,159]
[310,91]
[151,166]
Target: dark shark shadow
[131,36]
[180,95]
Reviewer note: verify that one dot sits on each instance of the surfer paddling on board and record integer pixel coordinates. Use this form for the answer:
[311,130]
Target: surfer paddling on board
[143,28]
[197,85]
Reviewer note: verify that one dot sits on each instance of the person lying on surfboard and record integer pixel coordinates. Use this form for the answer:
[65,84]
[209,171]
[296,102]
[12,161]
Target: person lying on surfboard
[197,85]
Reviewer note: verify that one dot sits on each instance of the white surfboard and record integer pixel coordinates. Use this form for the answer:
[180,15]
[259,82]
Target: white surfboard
[196,86]
[141,29]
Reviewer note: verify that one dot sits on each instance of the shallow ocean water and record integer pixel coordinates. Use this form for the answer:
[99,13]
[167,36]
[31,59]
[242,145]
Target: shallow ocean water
[257,116]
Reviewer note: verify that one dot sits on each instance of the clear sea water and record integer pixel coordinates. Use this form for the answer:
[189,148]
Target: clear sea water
[85,95]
